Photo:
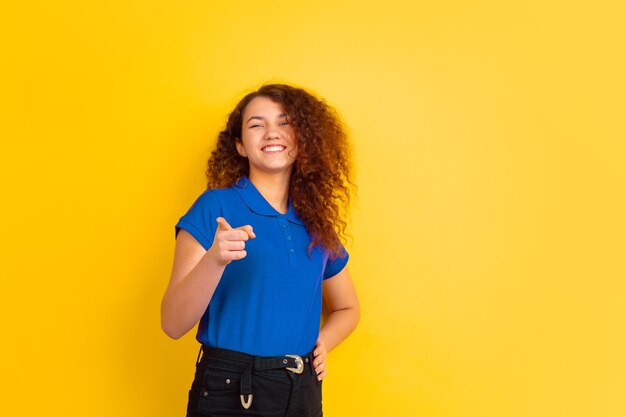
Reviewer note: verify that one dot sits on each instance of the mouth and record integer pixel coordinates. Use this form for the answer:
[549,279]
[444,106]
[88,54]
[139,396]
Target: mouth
[273,148]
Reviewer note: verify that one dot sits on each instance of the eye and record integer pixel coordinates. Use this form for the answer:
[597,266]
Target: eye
[251,126]
[285,123]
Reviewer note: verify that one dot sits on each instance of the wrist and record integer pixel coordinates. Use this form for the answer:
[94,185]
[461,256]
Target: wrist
[212,259]
[321,340]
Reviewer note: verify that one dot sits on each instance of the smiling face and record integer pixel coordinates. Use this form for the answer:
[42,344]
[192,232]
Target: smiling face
[267,138]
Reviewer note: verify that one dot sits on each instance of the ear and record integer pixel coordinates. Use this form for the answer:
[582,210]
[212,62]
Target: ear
[240,148]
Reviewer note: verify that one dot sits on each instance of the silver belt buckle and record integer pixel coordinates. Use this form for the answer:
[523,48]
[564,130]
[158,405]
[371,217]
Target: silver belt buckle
[299,364]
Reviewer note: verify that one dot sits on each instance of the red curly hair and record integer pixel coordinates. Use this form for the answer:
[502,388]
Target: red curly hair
[321,181]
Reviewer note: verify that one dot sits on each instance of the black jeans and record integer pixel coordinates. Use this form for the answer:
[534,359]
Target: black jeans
[227,381]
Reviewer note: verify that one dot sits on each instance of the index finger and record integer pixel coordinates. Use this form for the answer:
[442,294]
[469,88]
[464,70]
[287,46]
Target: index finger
[222,224]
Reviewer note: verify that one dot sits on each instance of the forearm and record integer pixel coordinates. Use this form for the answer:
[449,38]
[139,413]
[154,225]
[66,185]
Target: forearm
[184,304]
[338,327]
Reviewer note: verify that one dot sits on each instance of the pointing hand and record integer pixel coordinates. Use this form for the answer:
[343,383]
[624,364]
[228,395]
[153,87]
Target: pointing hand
[229,244]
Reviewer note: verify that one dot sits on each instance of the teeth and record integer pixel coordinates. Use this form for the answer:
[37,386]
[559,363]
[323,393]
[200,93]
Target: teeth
[273,148]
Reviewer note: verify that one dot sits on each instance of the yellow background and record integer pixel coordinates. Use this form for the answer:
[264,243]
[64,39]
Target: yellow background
[488,234]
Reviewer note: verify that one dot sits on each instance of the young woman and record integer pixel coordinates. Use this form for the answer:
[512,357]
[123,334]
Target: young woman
[256,253]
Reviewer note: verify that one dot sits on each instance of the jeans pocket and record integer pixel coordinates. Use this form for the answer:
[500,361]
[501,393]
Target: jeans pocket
[216,393]
[219,380]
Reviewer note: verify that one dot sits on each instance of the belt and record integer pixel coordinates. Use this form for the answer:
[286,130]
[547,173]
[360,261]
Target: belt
[293,363]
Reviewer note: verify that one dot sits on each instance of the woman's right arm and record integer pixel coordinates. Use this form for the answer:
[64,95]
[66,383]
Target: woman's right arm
[196,273]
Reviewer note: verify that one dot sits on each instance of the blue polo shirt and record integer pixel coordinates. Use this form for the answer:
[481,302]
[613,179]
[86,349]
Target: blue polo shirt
[268,303]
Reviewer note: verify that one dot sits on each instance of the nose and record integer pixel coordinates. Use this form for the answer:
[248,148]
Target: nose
[272,133]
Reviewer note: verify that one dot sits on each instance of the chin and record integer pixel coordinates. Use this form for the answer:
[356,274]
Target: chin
[275,169]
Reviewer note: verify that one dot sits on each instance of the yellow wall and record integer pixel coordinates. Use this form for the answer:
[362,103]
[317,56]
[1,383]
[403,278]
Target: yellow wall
[489,231]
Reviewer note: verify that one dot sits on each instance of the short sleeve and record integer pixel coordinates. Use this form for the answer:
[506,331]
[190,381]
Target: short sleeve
[333,267]
[199,220]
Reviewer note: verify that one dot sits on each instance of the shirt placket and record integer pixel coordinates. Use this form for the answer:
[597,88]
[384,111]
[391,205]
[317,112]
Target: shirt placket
[289,242]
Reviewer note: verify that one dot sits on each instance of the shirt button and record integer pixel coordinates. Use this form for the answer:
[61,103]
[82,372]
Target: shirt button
[284,226]
[288,237]
[228,381]
[291,251]
[204,393]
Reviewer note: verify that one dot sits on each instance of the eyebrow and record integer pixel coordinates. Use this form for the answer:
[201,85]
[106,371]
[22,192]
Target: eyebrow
[262,118]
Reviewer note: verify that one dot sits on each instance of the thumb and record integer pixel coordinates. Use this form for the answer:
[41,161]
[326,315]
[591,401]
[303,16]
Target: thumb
[222,224]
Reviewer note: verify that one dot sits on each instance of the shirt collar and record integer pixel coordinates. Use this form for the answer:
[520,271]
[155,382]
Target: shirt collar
[258,204]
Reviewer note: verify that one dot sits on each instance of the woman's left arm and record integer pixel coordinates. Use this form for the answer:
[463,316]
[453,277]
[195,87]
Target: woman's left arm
[342,302]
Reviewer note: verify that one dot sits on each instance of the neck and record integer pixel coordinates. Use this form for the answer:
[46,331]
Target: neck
[274,188]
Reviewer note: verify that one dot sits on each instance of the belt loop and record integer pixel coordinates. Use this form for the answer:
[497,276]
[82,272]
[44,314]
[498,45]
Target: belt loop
[245,389]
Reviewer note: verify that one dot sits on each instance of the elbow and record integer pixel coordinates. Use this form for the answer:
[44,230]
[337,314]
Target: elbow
[169,325]
[171,330]
[168,322]
[357,315]
[350,316]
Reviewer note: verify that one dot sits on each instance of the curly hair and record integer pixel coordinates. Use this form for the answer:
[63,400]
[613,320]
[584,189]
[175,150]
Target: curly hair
[321,179]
